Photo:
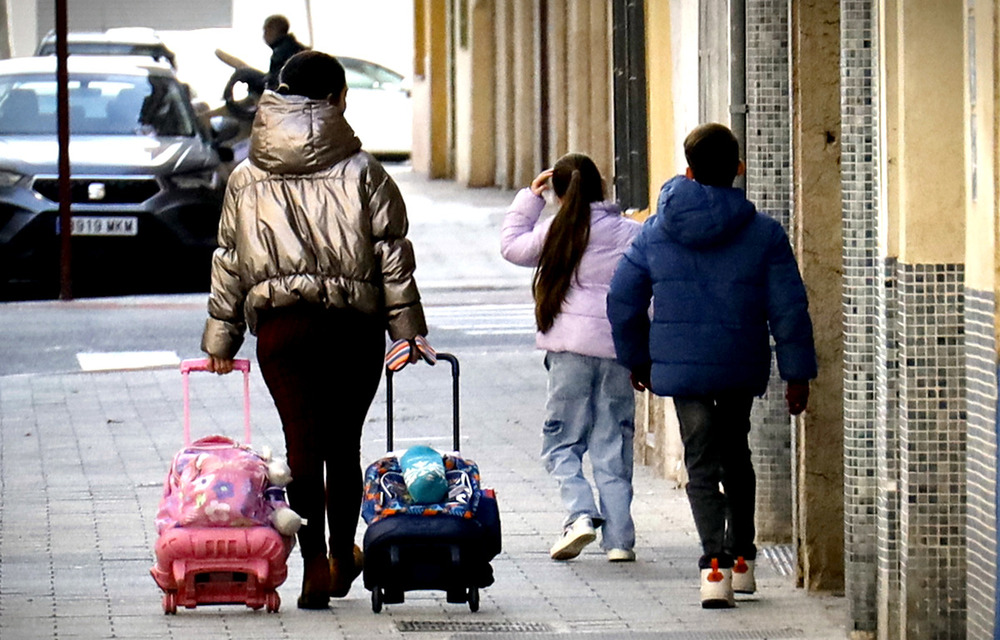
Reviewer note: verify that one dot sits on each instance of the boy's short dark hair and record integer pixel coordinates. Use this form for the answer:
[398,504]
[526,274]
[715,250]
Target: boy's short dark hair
[312,74]
[277,22]
[713,154]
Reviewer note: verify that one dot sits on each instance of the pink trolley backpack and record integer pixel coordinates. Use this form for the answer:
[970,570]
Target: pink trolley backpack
[216,542]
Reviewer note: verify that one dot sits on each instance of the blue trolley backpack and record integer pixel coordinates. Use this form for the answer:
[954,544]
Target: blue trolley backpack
[444,545]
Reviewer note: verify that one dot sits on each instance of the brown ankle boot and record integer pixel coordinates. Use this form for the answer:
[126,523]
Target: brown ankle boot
[315,584]
[343,571]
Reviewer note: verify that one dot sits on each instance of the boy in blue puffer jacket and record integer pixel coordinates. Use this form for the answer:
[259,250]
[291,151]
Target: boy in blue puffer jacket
[722,277]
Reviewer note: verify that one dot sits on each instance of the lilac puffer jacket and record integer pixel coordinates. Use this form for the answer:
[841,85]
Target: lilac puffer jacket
[582,326]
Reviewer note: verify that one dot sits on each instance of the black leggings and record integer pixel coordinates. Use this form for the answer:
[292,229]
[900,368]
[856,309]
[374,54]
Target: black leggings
[322,368]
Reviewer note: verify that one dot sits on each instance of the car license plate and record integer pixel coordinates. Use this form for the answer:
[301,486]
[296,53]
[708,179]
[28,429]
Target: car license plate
[103,225]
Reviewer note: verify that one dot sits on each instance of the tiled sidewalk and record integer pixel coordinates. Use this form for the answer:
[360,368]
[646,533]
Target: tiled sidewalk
[83,457]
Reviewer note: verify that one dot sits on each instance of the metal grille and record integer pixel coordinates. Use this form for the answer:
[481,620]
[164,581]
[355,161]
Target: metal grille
[486,626]
[782,558]
[111,191]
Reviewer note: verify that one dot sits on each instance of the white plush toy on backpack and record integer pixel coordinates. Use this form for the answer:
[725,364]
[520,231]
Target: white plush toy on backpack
[283,517]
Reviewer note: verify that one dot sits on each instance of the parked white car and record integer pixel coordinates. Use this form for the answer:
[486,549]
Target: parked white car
[379,107]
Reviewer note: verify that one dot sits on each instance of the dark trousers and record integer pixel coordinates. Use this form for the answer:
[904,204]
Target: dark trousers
[714,431]
[322,368]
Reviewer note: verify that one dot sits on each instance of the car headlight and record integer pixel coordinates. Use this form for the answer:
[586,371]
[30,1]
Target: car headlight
[9,178]
[196,180]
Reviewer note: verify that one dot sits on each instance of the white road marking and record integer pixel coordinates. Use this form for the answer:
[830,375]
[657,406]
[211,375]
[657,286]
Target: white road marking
[484,319]
[123,360]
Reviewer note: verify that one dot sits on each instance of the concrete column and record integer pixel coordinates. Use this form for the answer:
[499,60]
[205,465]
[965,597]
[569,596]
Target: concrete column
[556,95]
[600,82]
[577,97]
[932,425]
[817,238]
[526,121]
[887,350]
[769,184]
[504,92]
[982,262]
[22,23]
[420,153]
[5,35]
[475,162]
[430,89]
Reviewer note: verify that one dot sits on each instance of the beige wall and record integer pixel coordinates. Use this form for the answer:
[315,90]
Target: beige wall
[930,131]
[663,143]
[888,185]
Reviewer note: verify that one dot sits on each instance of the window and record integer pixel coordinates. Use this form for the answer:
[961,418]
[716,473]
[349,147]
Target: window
[99,105]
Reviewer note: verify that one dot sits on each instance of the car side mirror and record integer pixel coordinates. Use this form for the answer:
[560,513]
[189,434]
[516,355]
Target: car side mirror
[224,128]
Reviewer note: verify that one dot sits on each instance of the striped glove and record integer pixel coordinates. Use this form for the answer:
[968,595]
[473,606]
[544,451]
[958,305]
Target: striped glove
[402,352]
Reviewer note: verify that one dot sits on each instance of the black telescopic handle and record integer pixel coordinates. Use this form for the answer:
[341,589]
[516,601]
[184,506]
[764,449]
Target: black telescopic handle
[454,404]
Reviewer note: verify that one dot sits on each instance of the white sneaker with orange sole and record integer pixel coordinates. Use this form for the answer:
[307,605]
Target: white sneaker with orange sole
[743,579]
[717,587]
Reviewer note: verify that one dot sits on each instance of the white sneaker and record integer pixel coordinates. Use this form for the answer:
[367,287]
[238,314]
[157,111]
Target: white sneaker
[576,536]
[717,587]
[621,555]
[743,580]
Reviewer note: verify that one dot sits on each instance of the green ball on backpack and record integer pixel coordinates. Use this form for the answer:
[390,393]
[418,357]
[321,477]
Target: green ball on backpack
[423,471]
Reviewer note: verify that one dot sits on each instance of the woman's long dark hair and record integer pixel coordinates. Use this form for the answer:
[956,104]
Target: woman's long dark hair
[577,182]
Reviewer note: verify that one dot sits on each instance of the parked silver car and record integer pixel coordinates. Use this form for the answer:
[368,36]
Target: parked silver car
[147,179]
[120,41]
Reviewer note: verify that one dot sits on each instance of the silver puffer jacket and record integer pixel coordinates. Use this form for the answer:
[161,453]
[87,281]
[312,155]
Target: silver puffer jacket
[309,217]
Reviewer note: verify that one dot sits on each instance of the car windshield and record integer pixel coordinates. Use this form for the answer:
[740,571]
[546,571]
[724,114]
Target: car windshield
[366,75]
[99,105]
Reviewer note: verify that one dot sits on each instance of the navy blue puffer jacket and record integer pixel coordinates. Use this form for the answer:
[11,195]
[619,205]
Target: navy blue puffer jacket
[721,277]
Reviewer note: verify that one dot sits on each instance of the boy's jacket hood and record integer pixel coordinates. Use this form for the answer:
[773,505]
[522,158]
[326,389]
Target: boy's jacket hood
[698,216]
[296,135]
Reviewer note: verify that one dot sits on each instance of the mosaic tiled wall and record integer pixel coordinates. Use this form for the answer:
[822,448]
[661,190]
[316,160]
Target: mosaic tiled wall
[932,453]
[769,185]
[861,305]
[981,469]
[887,455]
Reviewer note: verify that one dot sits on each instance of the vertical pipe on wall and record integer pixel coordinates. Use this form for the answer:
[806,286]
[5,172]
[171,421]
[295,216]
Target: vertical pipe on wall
[738,77]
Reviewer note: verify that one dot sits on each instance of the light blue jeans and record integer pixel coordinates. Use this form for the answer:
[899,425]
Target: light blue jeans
[591,408]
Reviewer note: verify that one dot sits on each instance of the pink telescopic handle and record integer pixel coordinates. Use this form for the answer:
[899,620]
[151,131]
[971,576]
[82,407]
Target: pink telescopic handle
[201,364]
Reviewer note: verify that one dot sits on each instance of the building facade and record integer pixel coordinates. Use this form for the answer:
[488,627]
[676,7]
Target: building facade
[870,131]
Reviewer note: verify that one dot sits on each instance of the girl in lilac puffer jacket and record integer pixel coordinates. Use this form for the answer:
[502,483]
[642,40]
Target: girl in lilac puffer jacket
[590,405]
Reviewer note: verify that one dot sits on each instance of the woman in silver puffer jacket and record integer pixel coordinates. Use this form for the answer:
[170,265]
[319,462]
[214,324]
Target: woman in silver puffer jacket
[313,259]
